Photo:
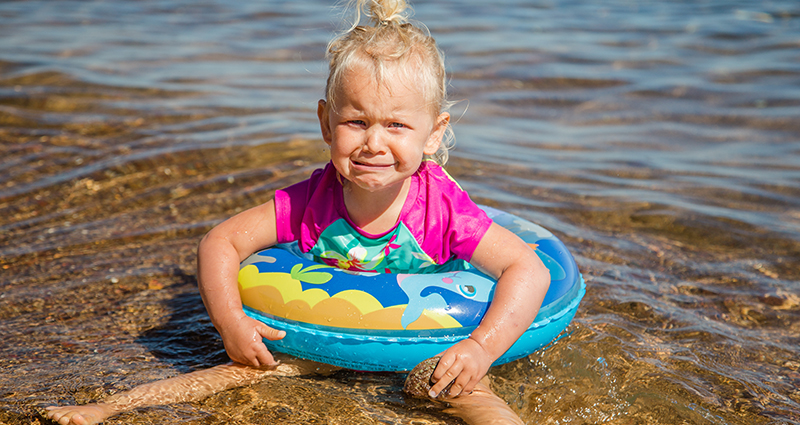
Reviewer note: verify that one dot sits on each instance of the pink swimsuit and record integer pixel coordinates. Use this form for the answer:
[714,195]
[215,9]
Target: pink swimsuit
[438,223]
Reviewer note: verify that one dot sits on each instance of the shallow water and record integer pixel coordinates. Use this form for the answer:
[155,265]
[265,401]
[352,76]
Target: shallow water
[658,139]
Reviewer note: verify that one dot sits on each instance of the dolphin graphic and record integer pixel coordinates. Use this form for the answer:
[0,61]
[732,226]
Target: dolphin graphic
[423,292]
[257,258]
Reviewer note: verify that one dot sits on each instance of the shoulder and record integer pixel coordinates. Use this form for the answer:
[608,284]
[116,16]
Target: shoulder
[440,193]
[319,179]
[450,222]
[305,207]
[430,171]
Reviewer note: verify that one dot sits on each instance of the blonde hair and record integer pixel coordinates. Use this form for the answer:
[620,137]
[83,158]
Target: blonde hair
[391,40]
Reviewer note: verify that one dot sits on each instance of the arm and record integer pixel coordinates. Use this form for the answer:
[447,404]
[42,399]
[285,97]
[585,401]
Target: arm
[218,258]
[522,282]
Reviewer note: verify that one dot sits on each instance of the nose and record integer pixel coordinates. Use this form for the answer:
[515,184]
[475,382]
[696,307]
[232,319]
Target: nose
[375,142]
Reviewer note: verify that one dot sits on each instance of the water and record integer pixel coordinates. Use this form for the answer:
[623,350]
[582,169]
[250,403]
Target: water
[659,139]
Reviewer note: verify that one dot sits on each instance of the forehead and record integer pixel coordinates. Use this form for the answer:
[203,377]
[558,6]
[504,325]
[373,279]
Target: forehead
[395,83]
[392,83]
[390,78]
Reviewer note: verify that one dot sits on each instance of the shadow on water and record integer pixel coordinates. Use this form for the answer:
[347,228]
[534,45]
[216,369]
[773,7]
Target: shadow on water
[187,340]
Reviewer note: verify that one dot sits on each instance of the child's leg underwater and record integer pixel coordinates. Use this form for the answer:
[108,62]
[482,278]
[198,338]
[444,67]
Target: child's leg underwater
[481,406]
[190,387]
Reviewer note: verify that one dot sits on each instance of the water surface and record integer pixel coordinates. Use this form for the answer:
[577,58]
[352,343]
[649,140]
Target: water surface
[659,139]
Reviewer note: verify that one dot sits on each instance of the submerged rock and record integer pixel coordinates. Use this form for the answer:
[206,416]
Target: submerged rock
[418,383]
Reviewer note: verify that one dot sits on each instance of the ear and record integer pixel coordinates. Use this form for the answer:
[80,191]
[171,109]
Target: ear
[324,122]
[437,134]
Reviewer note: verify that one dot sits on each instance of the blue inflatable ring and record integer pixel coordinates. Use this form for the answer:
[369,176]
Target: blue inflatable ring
[391,322]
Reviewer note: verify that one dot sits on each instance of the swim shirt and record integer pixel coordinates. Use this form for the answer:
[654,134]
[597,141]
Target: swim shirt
[438,229]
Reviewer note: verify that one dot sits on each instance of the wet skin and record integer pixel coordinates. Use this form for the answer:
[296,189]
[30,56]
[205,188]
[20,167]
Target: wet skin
[481,406]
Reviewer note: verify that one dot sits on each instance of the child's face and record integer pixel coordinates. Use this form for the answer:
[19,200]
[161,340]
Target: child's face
[379,133]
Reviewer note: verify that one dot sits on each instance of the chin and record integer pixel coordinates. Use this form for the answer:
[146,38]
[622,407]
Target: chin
[375,186]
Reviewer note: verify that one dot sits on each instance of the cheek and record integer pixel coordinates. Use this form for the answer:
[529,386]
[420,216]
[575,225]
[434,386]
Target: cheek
[339,155]
[347,138]
[413,149]
[340,142]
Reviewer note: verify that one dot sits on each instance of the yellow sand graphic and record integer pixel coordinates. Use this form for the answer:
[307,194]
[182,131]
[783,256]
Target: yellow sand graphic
[280,295]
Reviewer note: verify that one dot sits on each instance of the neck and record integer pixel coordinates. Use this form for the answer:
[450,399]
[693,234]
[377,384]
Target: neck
[375,212]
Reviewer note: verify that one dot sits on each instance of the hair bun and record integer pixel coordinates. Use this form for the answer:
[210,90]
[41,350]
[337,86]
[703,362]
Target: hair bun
[383,12]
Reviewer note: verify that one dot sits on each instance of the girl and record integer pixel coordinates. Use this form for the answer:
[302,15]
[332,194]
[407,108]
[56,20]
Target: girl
[384,118]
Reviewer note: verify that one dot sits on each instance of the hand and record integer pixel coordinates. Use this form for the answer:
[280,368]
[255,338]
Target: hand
[464,364]
[243,339]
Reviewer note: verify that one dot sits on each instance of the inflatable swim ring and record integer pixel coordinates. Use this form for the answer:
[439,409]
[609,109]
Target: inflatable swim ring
[390,322]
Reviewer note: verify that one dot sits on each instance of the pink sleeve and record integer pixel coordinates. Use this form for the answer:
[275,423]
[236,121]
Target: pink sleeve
[454,225]
[304,209]
[468,225]
[290,204]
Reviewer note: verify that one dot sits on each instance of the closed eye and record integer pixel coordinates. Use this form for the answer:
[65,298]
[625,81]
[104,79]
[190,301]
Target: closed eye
[397,125]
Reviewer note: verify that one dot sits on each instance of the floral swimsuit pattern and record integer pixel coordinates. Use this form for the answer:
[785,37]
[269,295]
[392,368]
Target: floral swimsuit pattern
[340,245]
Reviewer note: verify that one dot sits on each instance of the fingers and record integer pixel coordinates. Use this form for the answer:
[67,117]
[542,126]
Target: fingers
[264,358]
[262,355]
[258,357]
[269,333]
[460,368]
[454,382]
[445,373]
[245,343]
[463,386]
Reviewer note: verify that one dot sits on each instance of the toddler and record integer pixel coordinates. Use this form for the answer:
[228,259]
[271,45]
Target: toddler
[383,119]
[382,203]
